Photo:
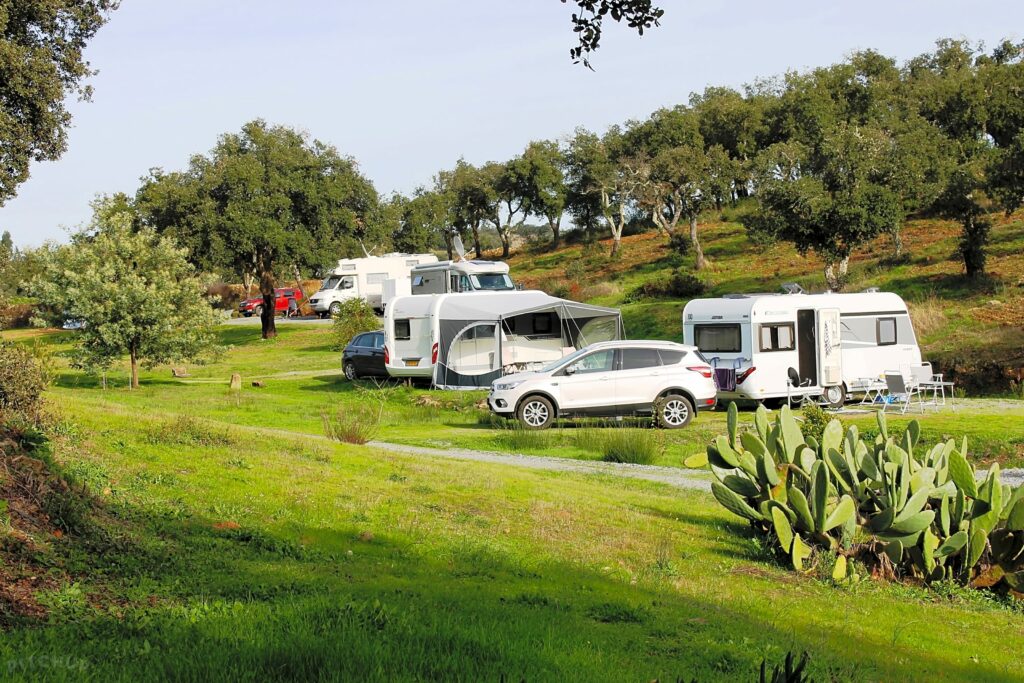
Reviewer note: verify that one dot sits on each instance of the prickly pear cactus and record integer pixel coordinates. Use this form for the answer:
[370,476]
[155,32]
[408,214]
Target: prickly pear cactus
[923,511]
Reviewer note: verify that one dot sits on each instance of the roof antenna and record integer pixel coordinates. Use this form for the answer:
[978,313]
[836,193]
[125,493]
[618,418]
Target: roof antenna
[792,288]
[459,248]
[370,252]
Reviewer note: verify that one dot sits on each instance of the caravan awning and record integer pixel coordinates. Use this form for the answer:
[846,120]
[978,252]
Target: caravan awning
[482,326]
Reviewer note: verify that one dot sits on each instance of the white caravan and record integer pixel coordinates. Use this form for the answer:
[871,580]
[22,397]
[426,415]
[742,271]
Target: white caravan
[364,278]
[831,343]
[458,341]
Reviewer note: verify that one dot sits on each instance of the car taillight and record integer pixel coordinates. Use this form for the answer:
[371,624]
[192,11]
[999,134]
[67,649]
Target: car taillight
[745,374]
[387,356]
[704,370]
[433,354]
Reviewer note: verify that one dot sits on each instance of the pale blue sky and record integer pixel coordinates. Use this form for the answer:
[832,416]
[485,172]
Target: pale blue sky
[408,86]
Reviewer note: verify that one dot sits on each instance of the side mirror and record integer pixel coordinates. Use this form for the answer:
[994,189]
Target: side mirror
[571,370]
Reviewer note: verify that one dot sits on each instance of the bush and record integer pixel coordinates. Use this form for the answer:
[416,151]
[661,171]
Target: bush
[356,316]
[23,378]
[679,243]
[883,504]
[815,421]
[356,425]
[680,285]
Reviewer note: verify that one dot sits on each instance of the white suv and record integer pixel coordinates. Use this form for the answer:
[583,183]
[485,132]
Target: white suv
[669,380]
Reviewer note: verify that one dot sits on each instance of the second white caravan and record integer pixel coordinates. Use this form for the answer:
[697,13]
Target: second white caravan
[830,344]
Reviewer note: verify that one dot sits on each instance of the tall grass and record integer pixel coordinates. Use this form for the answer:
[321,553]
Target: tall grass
[513,437]
[357,424]
[928,315]
[621,444]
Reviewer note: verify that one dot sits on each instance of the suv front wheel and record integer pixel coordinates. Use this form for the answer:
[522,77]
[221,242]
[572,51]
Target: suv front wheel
[673,411]
[536,412]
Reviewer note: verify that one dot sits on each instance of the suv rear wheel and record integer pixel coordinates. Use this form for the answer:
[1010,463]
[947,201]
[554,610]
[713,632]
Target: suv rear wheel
[536,412]
[350,372]
[673,411]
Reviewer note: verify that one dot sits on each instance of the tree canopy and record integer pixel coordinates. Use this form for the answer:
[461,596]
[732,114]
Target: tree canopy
[266,201]
[41,65]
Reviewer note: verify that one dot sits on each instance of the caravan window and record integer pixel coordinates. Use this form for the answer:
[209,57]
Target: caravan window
[376,278]
[885,331]
[777,337]
[722,338]
[402,330]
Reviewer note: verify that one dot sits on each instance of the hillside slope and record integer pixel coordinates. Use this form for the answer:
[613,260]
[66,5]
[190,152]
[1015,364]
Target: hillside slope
[972,330]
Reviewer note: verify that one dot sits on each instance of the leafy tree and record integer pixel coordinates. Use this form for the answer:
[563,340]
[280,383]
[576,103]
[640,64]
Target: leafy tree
[424,221]
[588,24]
[829,199]
[266,201]
[603,178]
[474,199]
[41,65]
[512,184]
[680,188]
[543,188]
[135,291]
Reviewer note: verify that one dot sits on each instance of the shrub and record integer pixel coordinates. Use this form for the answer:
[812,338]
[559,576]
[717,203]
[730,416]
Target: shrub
[680,285]
[23,378]
[512,436]
[186,430]
[679,243]
[815,421]
[355,317]
[357,425]
[880,503]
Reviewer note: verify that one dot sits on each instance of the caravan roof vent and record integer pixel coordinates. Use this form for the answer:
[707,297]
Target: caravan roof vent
[792,288]
[871,290]
[735,296]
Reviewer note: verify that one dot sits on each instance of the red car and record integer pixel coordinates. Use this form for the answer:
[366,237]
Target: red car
[285,297]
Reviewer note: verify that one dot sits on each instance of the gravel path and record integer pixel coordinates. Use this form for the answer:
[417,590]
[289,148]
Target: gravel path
[684,479]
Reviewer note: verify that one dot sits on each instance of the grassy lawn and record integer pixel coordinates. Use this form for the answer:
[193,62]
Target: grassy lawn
[296,402]
[260,555]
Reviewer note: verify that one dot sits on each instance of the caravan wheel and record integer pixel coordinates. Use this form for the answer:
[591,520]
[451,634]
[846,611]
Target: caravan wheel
[835,396]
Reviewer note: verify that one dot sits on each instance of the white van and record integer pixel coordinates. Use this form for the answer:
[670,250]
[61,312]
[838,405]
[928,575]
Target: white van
[364,278]
[833,343]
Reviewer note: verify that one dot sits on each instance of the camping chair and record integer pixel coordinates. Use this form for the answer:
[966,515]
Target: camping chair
[794,385]
[898,388]
[927,380]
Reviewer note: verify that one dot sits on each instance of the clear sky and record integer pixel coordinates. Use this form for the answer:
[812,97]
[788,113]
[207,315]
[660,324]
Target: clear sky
[408,86]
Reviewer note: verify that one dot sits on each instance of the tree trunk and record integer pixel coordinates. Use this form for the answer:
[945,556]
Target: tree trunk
[506,245]
[247,283]
[268,317]
[701,261]
[897,241]
[555,233]
[476,240]
[835,273]
[133,353]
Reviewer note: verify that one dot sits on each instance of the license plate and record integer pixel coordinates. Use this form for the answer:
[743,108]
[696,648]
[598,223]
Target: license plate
[412,362]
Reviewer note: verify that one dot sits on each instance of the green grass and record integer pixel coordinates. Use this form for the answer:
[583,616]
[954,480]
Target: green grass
[230,548]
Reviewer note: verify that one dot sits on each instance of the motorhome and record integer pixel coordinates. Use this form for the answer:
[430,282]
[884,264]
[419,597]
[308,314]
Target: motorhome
[458,341]
[364,278]
[772,346]
[448,277]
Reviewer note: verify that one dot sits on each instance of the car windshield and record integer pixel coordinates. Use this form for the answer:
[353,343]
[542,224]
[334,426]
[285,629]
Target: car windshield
[563,361]
[492,281]
[330,283]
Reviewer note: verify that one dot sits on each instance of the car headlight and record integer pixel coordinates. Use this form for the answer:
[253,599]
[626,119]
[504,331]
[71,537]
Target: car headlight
[508,386]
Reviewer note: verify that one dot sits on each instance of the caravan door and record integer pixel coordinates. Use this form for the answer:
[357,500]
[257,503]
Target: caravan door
[830,356]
